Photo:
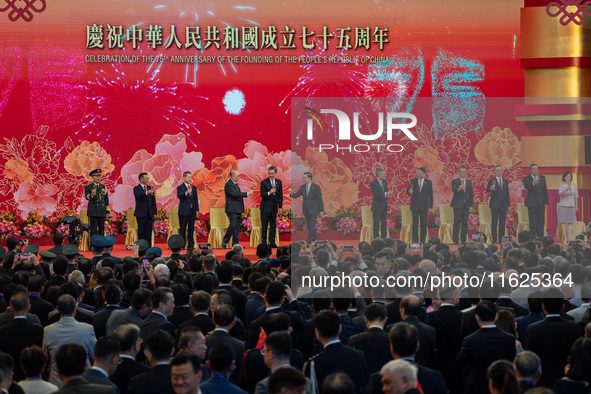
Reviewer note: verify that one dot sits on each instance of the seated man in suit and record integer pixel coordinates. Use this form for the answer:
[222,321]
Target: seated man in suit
[105,362]
[221,364]
[159,348]
[128,336]
[70,361]
[224,318]
[336,357]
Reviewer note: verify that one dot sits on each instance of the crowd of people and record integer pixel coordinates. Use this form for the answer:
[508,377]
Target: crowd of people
[193,323]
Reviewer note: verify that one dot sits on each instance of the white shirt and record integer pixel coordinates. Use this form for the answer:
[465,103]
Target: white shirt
[568,199]
[332,342]
[100,370]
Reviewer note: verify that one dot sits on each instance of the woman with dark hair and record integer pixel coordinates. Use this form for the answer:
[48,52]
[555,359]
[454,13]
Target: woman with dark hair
[578,370]
[568,206]
[506,322]
[502,378]
[33,360]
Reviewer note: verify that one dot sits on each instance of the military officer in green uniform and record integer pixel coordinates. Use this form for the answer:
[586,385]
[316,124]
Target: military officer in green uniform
[98,203]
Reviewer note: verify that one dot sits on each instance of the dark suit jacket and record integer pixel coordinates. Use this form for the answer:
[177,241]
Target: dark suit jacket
[218,385]
[145,204]
[219,336]
[188,204]
[97,377]
[17,335]
[426,353]
[420,201]
[238,299]
[350,328]
[313,203]
[81,386]
[537,195]
[339,358]
[380,201]
[393,309]
[271,202]
[375,344]
[498,198]
[156,380]
[234,197]
[481,349]
[296,317]
[255,369]
[251,307]
[447,322]
[507,303]
[552,339]
[57,249]
[153,322]
[202,321]
[462,198]
[430,380]
[41,308]
[524,322]
[180,314]
[100,318]
[126,370]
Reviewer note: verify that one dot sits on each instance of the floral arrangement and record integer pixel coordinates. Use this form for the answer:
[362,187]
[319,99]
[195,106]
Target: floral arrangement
[473,221]
[435,220]
[284,221]
[8,229]
[8,216]
[512,221]
[63,229]
[246,224]
[394,221]
[347,220]
[124,227]
[111,229]
[323,224]
[33,217]
[161,214]
[161,228]
[37,230]
[200,227]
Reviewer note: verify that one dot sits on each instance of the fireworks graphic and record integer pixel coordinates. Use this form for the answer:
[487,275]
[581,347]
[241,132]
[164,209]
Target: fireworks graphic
[395,83]
[125,100]
[331,79]
[184,11]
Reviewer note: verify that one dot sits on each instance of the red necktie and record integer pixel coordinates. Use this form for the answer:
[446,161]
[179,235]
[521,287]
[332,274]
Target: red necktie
[420,185]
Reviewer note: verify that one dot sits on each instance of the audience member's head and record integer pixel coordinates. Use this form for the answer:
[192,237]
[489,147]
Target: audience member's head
[185,373]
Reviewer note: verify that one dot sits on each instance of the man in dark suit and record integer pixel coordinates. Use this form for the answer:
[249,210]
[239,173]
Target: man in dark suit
[482,348]
[536,314]
[447,321]
[498,187]
[234,208]
[224,318]
[128,336]
[404,341]
[536,200]
[145,207]
[410,307]
[375,342]
[336,357]
[271,202]
[225,273]
[100,318]
[19,333]
[421,191]
[274,296]
[39,306]
[552,338]
[71,360]
[379,204]
[312,205]
[188,208]
[159,348]
[182,311]
[222,368]
[462,203]
[200,304]
[104,362]
[58,241]
[98,203]
[163,303]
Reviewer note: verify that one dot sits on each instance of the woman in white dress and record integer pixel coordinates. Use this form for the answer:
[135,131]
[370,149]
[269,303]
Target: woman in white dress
[568,206]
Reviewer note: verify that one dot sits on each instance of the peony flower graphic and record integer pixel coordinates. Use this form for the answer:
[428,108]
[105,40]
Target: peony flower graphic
[18,171]
[442,193]
[499,147]
[210,183]
[86,157]
[428,158]
[36,199]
